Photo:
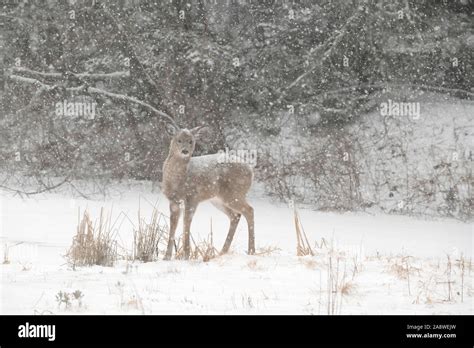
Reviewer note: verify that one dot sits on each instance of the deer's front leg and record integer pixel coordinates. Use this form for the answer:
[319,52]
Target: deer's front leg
[189,209]
[174,218]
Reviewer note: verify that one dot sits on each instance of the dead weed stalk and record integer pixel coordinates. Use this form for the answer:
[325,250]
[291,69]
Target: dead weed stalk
[94,243]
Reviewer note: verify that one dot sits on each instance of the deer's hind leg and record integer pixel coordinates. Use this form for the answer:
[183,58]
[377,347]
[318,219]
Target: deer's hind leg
[234,218]
[241,206]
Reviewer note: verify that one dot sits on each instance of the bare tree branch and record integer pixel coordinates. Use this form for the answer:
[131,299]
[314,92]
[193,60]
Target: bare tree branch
[44,187]
[333,42]
[93,90]
[57,75]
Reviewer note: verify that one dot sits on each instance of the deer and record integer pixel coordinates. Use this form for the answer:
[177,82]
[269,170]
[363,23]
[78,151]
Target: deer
[193,180]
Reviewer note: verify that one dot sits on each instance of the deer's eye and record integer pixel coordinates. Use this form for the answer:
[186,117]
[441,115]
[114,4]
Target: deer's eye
[179,141]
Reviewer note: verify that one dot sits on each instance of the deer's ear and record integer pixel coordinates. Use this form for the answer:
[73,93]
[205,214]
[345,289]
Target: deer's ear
[200,132]
[171,129]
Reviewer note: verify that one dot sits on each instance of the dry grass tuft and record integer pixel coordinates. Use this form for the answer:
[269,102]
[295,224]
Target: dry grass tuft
[253,265]
[303,247]
[204,250]
[148,236]
[268,250]
[94,243]
[336,281]
[400,270]
[309,263]
[403,269]
[348,288]
[339,279]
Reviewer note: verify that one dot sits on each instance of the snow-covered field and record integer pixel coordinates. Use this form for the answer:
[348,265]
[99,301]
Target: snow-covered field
[376,263]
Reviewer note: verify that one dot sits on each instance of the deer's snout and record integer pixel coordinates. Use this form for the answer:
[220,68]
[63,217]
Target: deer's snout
[185,150]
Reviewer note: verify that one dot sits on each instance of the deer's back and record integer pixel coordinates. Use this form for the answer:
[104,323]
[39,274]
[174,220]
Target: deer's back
[208,176]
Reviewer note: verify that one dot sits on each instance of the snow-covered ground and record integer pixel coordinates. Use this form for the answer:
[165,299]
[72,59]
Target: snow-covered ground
[376,263]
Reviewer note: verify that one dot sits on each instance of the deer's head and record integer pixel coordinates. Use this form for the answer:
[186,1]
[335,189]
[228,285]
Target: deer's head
[184,140]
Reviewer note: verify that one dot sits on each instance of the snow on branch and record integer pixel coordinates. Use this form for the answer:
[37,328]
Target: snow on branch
[44,188]
[124,97]
[57,75]
[93,90]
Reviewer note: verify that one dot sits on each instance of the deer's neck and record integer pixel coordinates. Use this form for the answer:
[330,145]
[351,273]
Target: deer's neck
[175,170]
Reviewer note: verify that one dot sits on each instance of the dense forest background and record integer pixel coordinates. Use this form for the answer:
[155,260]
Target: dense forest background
[227,64]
